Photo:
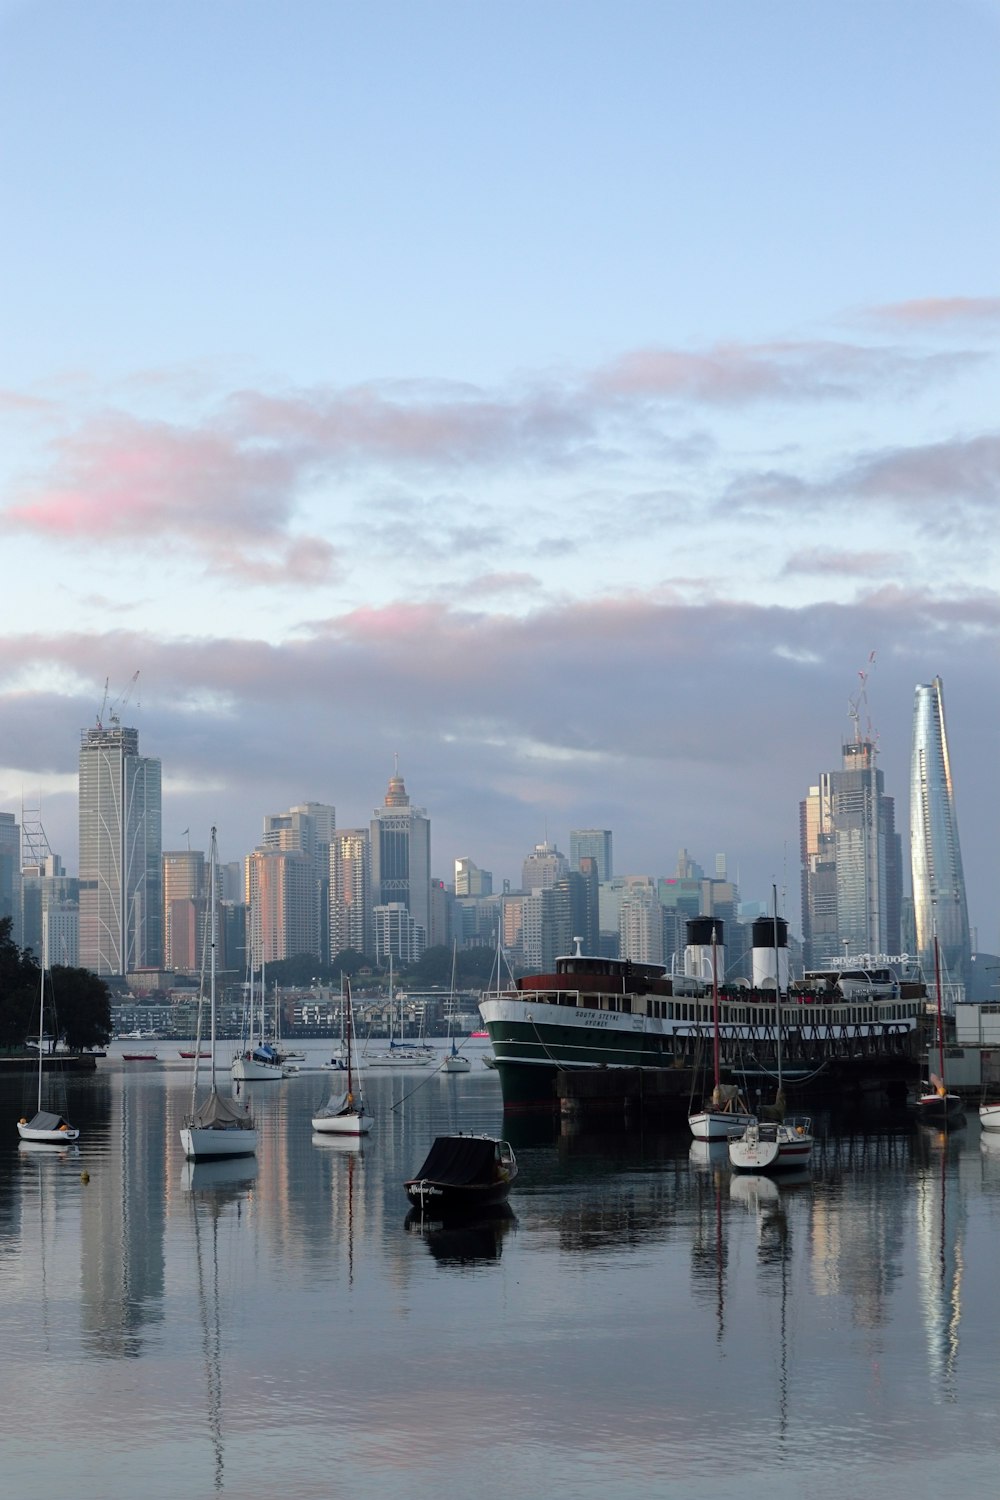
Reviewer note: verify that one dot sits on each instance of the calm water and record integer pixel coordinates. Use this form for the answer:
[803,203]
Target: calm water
[644,1325]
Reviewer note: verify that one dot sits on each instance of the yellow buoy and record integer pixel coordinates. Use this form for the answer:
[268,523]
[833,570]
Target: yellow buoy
[84,1176]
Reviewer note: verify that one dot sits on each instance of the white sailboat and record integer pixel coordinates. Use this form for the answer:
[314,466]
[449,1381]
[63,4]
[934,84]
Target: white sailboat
[45,1127]
[219,1125]
[725,1115]
[401,1054]
[455,1061]
[785,1142]
[344,1113]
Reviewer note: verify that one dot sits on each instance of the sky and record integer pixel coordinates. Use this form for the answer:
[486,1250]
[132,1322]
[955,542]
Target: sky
[594,406]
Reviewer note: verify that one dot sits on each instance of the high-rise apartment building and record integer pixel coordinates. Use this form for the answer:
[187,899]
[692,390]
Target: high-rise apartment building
[592,843]
[401,855]
[852,886]
[121,892]
[47,889]
[282,916]
[184,902]
[350,891]
[310,827]
[939,901]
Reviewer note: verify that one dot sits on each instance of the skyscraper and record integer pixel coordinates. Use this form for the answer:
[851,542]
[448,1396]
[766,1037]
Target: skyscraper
[591,843]
[543,867]
[184,894]
[852,886]
[401,855]
[121,891]
[939,902]
[350,891]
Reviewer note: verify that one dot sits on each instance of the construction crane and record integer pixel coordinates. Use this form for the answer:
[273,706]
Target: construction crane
[113,710]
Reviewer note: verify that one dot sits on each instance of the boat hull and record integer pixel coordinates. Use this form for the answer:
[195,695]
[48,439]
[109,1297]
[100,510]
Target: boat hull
[208,1143]
[351,1122]
[445,1198]
[455,1063]
[989,1117]
[940,1109]
[718,1125]
[770,1147]
[48,1137]
[251,1070]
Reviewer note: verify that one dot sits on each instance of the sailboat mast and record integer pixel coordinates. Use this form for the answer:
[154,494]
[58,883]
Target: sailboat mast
[347,1030]
[211,982]
[715,1006]
[777,989]
[940,1010]
[41,1034]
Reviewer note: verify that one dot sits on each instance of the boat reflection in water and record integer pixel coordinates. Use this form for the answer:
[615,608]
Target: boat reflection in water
[464,1240]
[232,1172]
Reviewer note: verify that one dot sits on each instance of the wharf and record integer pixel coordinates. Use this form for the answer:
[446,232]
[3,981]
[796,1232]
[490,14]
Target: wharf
[670,1093]
[52,1062]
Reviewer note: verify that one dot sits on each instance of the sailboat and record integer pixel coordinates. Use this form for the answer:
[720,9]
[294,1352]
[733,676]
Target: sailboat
[260,1063]
[725,1115]
[455,1061]
[783,1142]
[219,1125]
[344,1113]
[934,1103]
[401,1054]
[45,1127]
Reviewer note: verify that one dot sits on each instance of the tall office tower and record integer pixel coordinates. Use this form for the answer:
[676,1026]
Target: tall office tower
[470,880]
[939,904]
[591,843]
[350,891]
[282,917]
[309,826]
[121,893]
[539,935]
[401,855]
[10,873]
[184,893]
[543,867]
[852,881]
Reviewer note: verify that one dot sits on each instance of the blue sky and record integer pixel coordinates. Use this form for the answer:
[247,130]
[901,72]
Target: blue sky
[567,397]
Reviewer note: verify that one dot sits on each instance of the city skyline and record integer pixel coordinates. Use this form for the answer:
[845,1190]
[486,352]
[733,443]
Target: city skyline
[552,398]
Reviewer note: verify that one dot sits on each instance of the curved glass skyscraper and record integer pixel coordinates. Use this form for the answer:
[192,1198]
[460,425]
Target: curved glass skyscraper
[939,903]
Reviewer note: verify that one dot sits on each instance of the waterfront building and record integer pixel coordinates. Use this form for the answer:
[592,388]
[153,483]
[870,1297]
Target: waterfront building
[121,889]
[350,891]
[595,844]
[543,867]
[938,884]
[401,855]
[851,862]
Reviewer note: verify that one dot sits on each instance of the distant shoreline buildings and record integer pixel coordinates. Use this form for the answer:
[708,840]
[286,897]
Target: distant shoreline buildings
[138,913]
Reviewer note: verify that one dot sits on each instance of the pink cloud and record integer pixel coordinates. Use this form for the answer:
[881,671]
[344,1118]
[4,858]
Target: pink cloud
[930,312]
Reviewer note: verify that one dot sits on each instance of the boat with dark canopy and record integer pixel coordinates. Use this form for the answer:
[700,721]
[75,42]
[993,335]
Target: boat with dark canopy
[463,1173]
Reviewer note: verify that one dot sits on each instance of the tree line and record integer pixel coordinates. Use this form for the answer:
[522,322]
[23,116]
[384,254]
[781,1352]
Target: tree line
[77,1002]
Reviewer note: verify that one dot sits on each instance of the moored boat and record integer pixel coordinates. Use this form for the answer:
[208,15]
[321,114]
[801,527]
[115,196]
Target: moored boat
[989,1115]
[935,1104]
[725,1114]
[46,1127]
[463,1173]
[597,1012]
[771,1145]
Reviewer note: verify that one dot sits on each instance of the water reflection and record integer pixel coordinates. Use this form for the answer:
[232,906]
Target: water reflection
[464,1242]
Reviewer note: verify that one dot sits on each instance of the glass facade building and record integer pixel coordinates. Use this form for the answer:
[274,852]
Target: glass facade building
[939,900]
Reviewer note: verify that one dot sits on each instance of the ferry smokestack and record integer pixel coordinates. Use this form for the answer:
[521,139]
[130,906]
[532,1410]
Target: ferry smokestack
[698,952]
[765,963]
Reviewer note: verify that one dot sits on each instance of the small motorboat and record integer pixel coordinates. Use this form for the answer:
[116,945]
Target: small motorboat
[140,1057]
[989,1115]
[463,1173]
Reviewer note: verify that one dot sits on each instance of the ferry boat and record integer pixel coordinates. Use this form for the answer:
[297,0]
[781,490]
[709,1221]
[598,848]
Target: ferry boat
[595,1012]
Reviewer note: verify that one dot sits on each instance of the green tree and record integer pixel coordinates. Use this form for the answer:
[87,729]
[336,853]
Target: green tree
[19,987]
[82,1003]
